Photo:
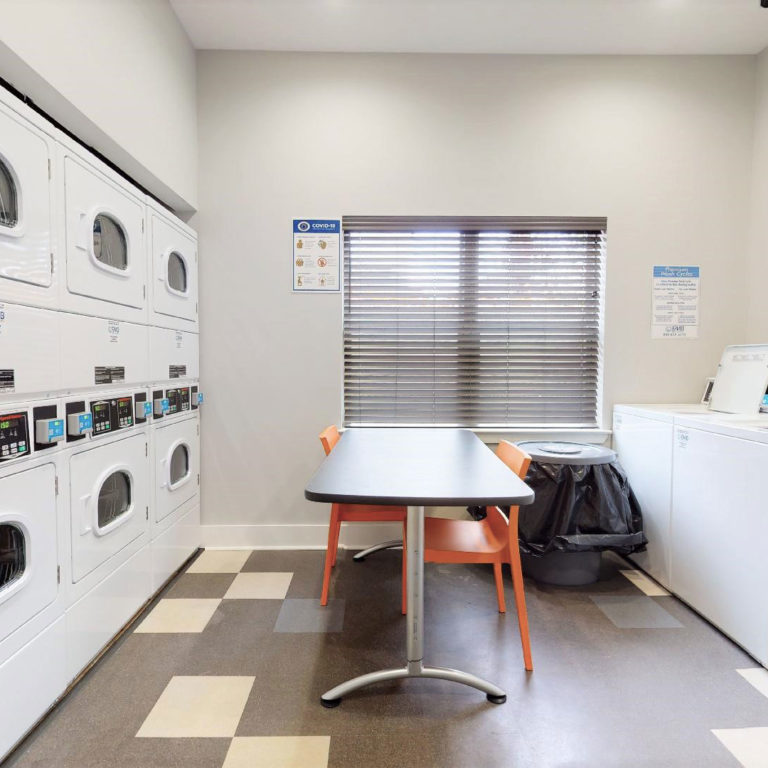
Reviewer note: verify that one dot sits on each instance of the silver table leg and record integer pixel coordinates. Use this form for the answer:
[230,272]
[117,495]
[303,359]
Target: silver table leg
[377,548]
[415,633]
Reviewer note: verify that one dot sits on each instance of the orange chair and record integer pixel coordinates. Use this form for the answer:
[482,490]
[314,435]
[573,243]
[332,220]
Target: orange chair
[355,513]
[492,540]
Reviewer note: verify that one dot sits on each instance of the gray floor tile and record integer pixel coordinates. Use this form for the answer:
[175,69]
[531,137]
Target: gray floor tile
[200,585]
[307,615]
[635,612]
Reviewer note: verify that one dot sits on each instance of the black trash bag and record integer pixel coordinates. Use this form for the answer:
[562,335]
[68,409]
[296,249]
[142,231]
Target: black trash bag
[580,508]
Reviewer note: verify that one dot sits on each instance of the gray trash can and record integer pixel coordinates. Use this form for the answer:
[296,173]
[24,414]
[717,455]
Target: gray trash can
[583,506]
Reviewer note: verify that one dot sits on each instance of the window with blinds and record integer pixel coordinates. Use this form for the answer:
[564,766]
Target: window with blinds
[474,322]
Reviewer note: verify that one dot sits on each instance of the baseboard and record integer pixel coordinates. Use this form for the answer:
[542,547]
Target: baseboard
[301,536]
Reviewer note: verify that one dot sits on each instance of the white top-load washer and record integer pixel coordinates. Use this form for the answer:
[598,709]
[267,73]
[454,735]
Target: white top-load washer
[173,270]
[105,257]
[27,233]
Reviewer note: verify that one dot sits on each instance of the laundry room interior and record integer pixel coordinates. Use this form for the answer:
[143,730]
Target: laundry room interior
[339,338]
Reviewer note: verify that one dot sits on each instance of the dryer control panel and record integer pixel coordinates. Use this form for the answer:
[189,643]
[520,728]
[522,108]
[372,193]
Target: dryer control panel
[14,436]
[178,400]
[110,415]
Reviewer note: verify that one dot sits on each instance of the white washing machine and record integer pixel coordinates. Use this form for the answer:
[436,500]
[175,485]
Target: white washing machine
[105,257]
[27,251]
[97,351]
[30,352]
[173,270]
[109,482]
[173,354]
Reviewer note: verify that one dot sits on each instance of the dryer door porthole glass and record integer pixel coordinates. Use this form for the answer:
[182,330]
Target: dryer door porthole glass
[179,464]
[13,554]
[177,273]
[9,201]
[114,498]
[110,246]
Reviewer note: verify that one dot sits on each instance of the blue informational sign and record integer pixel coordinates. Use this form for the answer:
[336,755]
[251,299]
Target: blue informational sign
[316,255]
[676,272]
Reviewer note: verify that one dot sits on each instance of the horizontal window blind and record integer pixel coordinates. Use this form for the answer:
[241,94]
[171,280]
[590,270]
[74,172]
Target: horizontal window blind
[477,322]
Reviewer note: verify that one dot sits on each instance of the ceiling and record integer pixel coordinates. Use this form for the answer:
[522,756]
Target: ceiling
[479,26]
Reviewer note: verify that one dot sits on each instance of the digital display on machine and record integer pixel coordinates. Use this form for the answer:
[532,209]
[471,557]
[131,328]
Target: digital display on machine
[14,436]
[178,399]
[102,418]
[124,412]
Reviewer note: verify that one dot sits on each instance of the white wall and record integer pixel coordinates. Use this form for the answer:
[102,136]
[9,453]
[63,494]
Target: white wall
[120,74]
[660,145]
[757,271]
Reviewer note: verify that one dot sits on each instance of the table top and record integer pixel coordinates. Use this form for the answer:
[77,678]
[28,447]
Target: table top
[415,467]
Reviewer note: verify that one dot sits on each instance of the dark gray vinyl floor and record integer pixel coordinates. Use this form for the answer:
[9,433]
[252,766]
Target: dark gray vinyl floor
[227,661]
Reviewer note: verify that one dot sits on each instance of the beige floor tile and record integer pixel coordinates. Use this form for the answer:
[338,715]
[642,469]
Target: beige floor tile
[179,615]
[748,745]
[643,583]
[259,586]
[278,752]
[756,676]
[220,561]
[198,707]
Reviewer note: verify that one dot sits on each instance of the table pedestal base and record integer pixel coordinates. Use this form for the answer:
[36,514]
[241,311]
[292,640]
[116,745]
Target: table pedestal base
[415,633]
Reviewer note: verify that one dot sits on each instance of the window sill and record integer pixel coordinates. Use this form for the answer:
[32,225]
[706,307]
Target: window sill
[594,435]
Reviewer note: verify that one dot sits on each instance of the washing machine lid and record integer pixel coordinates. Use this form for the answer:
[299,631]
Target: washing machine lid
[555,452]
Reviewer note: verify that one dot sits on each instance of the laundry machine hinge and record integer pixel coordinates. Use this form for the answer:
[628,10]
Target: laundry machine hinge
[51,262]
[58,574]
[198,479]
[49,169]
[144,291]
[146,514]
[142,225]
[146,449]
[57,484]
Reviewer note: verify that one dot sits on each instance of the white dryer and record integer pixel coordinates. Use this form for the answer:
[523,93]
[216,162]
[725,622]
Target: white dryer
[175,450]
[173,270]
[109,483]
[32,538]
[105,252]
[30,439]
[27,251]
[30,354]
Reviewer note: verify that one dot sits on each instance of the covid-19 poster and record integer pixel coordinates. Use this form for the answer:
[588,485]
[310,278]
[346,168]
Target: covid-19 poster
[316,255]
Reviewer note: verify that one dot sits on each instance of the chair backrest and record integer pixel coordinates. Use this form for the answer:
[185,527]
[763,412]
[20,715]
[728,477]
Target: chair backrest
[329,437]
[514,457]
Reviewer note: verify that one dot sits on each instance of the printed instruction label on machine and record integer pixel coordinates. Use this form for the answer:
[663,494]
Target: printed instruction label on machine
[675,310]
[113,329]
[316,255]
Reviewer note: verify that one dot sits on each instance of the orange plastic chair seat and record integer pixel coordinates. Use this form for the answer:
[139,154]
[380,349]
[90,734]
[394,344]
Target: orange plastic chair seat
[460,541]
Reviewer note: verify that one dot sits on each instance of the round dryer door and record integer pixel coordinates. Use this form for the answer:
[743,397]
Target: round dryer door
[9,197]
[114,499]
[177,273]
[179,465]
[13,555]
[110,245]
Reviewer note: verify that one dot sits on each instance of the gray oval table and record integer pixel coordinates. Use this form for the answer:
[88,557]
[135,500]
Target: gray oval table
[415,468]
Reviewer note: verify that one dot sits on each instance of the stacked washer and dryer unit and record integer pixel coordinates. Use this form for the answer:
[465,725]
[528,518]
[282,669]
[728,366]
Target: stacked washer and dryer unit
[99,408]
